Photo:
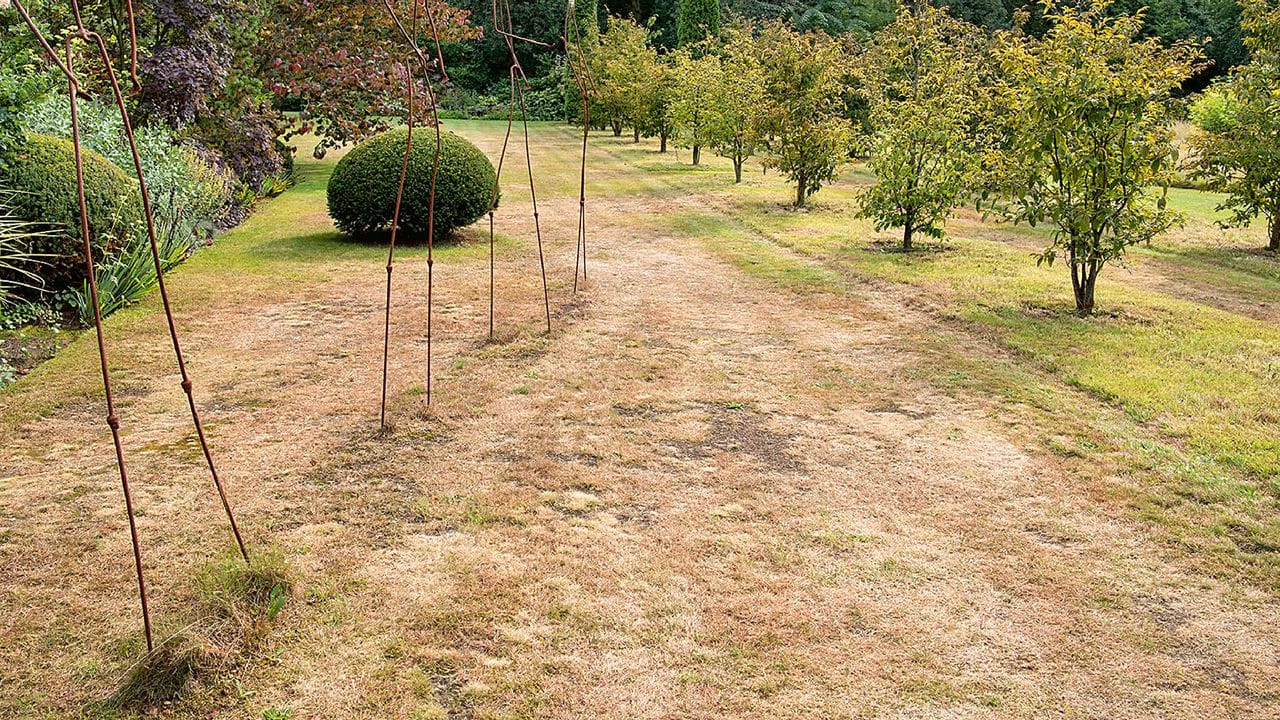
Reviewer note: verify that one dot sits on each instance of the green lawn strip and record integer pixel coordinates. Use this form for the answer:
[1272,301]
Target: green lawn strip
[749,252]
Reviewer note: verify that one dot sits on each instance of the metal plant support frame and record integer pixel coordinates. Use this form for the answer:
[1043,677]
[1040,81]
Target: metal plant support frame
[503,26]
[410,37]
[582,78]
[80,32]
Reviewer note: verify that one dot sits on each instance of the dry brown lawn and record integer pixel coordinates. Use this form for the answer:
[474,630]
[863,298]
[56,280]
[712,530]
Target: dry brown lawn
[704,495]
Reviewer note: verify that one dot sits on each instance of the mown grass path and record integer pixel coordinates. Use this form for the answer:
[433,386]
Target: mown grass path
[742,478]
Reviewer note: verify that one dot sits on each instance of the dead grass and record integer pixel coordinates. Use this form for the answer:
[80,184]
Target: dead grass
[729,484]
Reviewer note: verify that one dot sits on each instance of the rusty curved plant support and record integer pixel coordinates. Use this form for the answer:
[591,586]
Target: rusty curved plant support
[74,91]
[503,26]
[410,37]
[582,78]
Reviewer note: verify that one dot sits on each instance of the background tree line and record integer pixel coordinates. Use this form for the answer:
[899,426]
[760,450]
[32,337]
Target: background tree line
[1064,119]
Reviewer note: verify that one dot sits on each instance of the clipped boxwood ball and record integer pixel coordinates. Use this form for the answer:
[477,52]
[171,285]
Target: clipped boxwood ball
[362,189]
[44,173]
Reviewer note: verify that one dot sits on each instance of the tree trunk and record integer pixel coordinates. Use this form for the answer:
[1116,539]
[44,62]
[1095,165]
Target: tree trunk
[1084,278]
[617,127]
[802,185]
[1274,244]
[635,135]
[697,154]
[737,170]
[907,232]
[662,139]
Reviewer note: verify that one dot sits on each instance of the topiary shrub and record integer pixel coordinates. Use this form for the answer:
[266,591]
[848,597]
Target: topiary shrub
[362,189]
[44,175]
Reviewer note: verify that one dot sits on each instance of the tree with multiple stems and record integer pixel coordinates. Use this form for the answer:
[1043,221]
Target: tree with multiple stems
[1237,143]
[1085,120]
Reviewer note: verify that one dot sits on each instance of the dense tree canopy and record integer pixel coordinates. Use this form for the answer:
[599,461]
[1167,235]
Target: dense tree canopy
[698,20]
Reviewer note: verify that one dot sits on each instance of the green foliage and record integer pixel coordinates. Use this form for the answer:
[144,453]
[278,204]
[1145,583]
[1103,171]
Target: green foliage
[123,279]
[698,77]
[655,120]
[800,127]
[921,78]
[623,66]
[735,98]
[44,171]
[23,81]
[1237,143]
[698,21]
[18,263]
[189,196]
[362,189]
[1085,114]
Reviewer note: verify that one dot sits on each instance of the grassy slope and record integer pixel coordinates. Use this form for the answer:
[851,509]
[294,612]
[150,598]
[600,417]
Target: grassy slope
[1198,444]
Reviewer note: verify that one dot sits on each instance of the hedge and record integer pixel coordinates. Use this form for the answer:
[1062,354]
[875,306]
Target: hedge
[44,177]
[362,189]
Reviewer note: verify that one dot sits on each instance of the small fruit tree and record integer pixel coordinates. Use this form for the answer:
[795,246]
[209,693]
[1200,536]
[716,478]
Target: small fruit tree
[1085,113]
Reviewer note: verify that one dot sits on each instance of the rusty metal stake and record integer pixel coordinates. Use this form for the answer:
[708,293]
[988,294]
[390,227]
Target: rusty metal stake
[411,39]
[497,179]
[582,78]
[391,247]
[517,90]
[164,292]
[113,420]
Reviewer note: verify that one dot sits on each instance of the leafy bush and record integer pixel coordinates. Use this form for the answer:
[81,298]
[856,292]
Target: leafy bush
[44,170]
[189,195]
[125,278]
[362,190]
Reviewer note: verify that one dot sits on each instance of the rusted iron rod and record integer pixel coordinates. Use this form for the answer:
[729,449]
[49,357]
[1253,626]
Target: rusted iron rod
[164,292]
[411,39]
[113,420]
[497,181]
[391,246]
[582,78]
[503,26]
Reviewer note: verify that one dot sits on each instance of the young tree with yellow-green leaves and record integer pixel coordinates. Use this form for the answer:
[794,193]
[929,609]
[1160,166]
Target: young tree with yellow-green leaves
[623,66]
[1237,142]
[657,102]
[800,128]
[692,105]
[921,78]
[1084,113]
[736,98]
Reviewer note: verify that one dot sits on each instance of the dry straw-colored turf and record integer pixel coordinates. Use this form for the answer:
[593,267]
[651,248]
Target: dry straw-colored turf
[737,481]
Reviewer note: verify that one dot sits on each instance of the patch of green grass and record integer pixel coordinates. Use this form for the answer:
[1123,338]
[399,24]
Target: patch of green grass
[246,597]
[463,512]
[752,254]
